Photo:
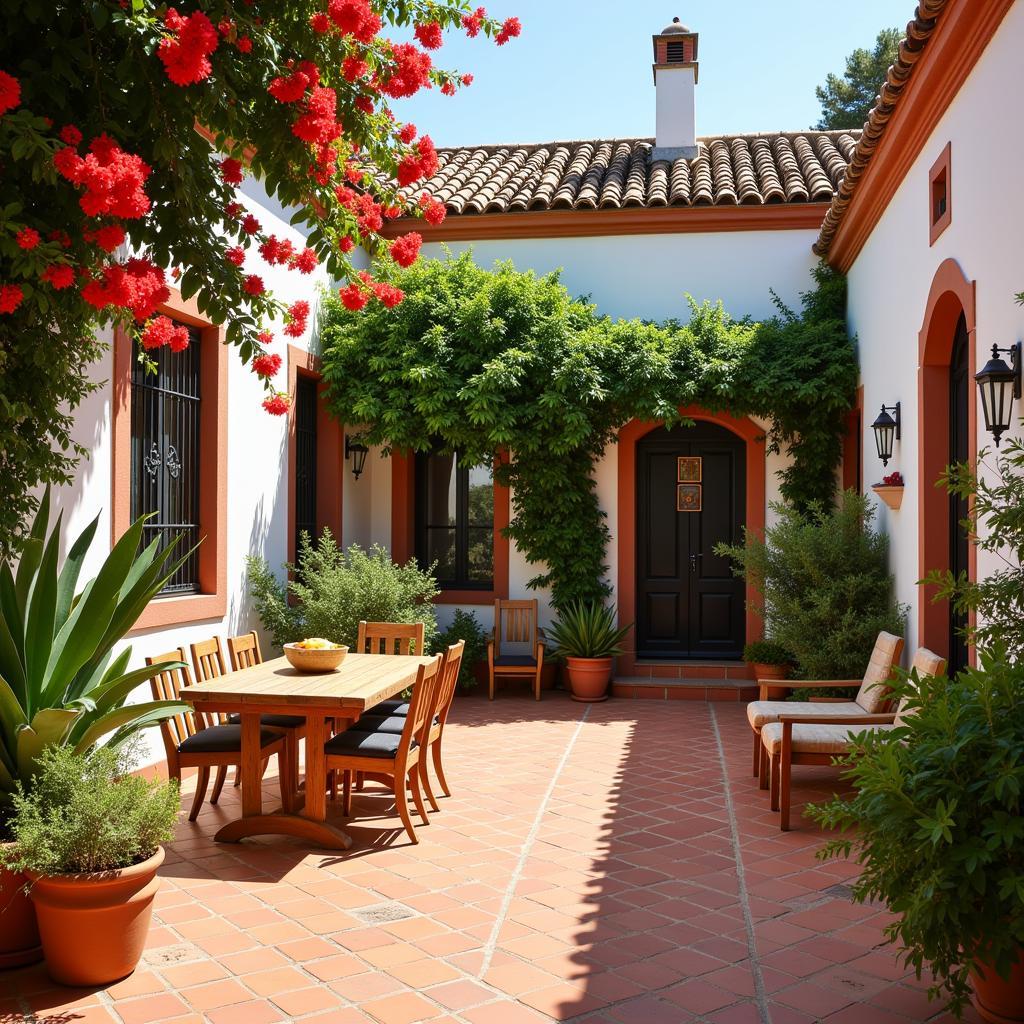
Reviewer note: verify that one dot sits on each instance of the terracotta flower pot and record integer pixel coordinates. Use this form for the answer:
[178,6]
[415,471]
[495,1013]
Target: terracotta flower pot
[589,678]
[999,1001]
[94,926]
[763,671]
[19,935]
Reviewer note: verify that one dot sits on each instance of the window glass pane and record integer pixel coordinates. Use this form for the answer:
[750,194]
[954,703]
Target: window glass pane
[441,549]
[481,554]
[441,490]
[481,497]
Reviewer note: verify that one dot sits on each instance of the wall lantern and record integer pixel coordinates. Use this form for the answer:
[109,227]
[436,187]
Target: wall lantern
[999,385]
[358,452]
[887,430]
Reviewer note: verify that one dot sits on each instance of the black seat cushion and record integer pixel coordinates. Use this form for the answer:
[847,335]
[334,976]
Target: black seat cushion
[223,739]
[389,707]
[516,660]
[364,744]
[273,721]
[384,723]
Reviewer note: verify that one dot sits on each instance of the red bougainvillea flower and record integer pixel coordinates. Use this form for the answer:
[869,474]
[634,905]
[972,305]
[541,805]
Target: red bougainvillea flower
[276,250]
[71,135]
[448,88]
[319,124]
[185,53]
[233,209]
[10,294]
[510,28]
[277,405]
[430,35]
[304,262]
[236,255]
[231,171]
[420,163]
[162,330]
[467,79]
[244,44]
[59,276]
[250,225]
[293,88]
[434,211]
[388,294]
[355,18]
[266,365]
[265,337]
[254,284]
[353,297]
[406,248]
[138,285]
[410,73]
[345,244]
[57,235]
[354,68]
[298,313]
[27,238]
[113,179]
[365,104]
[110,236]
[407,132]
[371,214]
[320,23]
[472,23]
[10,97]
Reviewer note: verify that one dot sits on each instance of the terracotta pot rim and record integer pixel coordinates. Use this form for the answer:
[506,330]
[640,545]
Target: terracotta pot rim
[143,867]
[589,661]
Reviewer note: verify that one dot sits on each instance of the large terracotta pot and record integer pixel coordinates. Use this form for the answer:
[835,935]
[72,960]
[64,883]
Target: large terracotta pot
[762,671]
[999,1001]
[19,936]
[589,678]
[94,926]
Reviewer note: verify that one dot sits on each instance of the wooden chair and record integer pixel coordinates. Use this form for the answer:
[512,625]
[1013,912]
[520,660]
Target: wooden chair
[390,638]
[817,739]
[394,756]
[395,721]
[244,652]
[871,697]
[517,647]
[190,743]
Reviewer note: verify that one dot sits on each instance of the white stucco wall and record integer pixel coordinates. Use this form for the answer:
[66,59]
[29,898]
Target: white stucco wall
[891,278]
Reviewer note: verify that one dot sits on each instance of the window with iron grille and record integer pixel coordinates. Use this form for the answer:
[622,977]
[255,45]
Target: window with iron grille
[305,459]
[455,521]
[165,454]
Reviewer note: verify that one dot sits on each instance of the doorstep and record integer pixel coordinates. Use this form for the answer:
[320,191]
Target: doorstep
[715,689]
[731,670]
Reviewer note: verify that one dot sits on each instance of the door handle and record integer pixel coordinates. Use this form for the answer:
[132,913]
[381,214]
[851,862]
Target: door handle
[693,562]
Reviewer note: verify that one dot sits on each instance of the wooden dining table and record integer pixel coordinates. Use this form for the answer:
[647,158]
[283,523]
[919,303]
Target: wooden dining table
[275,688]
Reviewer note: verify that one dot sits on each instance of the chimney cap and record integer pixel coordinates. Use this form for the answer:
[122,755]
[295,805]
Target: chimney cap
[676,28]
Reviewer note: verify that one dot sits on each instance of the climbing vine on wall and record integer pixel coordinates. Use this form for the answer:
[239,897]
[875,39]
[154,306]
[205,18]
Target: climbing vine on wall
[488,361]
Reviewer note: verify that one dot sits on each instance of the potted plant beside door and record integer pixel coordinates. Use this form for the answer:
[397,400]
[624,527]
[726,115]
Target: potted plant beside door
[586,636]
[770,661]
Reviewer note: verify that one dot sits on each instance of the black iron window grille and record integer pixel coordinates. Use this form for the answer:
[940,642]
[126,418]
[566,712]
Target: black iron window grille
[165,454]
[305,459]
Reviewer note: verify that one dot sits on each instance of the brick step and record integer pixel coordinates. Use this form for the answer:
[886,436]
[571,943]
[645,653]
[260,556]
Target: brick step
[696,670]
[716,689]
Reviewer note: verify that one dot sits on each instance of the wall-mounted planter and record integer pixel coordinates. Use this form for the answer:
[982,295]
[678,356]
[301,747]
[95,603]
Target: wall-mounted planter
[892,496]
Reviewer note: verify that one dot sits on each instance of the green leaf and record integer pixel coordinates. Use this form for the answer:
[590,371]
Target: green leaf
[47,728]
[131,719]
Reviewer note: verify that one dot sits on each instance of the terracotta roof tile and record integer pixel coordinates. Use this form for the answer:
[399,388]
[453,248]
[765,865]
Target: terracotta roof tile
[730,170]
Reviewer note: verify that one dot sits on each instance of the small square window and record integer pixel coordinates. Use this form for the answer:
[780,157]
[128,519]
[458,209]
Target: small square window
[940,211]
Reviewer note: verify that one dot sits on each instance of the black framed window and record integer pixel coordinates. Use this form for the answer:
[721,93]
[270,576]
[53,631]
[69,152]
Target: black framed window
[305,458]
[165,454]
[455,521]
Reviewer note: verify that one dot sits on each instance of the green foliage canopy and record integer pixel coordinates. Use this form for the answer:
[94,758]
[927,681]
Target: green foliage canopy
[847,99]
[506,363]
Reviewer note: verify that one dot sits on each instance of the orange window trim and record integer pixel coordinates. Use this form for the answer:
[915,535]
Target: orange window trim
[330,452]
[211,601]
[403,532]
[940,172]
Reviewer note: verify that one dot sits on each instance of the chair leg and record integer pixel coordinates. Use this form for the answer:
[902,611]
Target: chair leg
[238,776]
[776,759]
[421,768]
[291,756]
[435,750]
[786,766]
[360,781]
[286,779]
[346,793]
[402,803]
[490,685]
[197,801]
[536,685]
[417,795]
[762,768]
[757,753]
[218,782]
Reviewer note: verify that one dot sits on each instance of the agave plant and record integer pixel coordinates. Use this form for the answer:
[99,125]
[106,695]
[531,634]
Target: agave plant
[59,680]
[586,629]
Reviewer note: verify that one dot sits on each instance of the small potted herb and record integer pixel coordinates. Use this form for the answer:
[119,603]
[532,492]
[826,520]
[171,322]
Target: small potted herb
[936,822]
[586,636]
[770,661]
[890,490]
[87,835]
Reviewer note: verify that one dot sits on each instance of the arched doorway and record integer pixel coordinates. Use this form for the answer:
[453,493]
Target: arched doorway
[690,496]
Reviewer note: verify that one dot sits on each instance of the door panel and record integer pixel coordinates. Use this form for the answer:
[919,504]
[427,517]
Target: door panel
[960,390]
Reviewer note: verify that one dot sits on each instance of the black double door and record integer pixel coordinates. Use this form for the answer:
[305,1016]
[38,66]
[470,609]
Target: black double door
[689,603]
[959,452]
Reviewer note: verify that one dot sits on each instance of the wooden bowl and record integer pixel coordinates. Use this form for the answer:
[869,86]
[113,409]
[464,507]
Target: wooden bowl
[307,660]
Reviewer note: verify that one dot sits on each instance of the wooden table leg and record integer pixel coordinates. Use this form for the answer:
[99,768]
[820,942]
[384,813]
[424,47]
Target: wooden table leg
[252,767]
[316,768]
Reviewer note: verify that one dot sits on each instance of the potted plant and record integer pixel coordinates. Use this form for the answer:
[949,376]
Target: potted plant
[60,683]
[770,661]
[87,837]
[586,636]
[890,490]
[937,824]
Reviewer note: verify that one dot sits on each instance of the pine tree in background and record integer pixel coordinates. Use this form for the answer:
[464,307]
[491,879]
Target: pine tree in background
[847,100]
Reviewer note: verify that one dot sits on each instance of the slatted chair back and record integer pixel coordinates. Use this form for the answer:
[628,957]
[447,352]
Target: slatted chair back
[390,638]
[244,651]
[515,628]
[874,690]
[208,663]
[167,685]
[925,663]
[422,705]
[449,680]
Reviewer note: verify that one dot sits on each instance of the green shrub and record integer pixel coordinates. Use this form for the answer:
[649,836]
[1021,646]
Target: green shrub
[936,822]
[85,812]
[766,652]
[825,585]
[465,626]
[587,630]
[330,590]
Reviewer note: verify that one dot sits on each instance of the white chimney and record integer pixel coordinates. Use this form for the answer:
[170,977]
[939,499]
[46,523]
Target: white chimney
[675,82]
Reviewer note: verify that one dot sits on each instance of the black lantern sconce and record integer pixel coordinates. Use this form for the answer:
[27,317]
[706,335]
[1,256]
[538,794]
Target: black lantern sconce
[999,385]
[887,430]
[358,452]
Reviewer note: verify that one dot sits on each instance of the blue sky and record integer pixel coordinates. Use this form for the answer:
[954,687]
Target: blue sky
[582,68]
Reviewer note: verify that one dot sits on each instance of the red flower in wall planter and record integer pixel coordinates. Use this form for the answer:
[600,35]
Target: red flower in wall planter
[890,490]
[586,636]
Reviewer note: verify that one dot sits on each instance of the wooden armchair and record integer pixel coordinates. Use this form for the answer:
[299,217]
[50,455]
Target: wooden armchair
[517,646]
[390,638]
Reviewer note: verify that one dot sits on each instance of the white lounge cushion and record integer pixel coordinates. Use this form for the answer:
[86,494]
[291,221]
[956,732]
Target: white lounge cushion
[814,739]
[761,712]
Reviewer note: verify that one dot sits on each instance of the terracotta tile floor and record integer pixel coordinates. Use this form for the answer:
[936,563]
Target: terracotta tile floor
[607,864]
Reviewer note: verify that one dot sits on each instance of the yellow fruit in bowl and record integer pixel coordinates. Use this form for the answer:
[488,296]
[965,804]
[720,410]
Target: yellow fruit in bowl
[317,643]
